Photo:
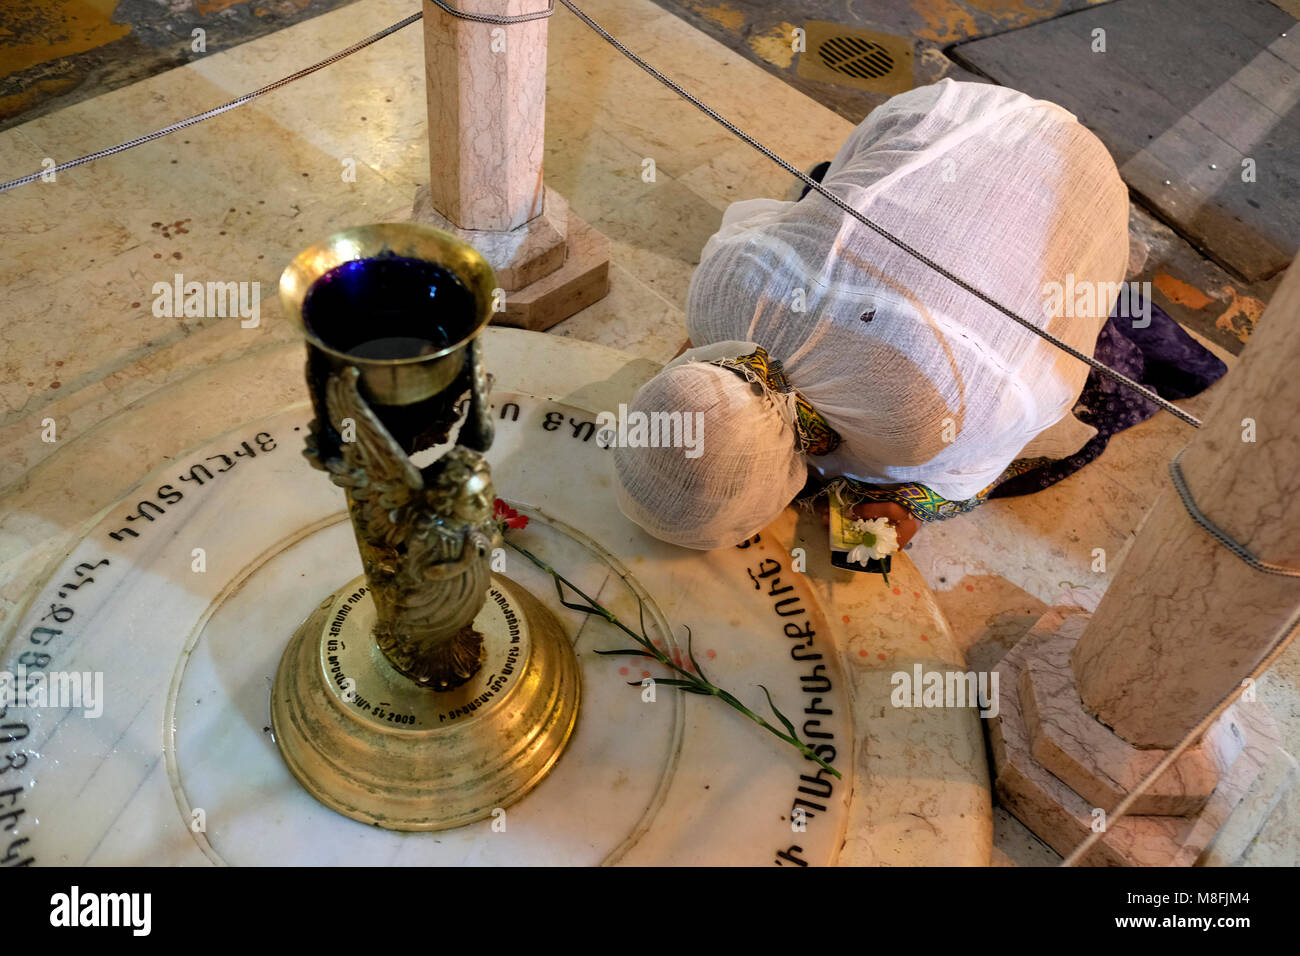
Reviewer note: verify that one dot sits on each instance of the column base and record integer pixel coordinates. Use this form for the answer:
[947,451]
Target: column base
[551,267]
[1057,767]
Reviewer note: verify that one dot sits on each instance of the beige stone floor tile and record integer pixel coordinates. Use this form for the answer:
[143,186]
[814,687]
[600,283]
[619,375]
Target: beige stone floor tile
[239,160]
[369,107]
[632,318]
[656,125]
[737,173]
[124,114]
[173,358]
[595,172]
[737,88]
[49,225]
[657,270]
[1278,843]
[1041,544]
[658,237]
[654,121]
[80,328]
[1016,846]
[301,44]
[199,202]
[1139,456]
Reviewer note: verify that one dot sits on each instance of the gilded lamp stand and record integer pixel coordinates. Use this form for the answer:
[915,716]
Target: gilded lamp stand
[428,692]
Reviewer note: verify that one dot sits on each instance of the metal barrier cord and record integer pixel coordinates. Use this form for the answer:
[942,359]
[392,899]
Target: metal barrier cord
[1105,370]
[1175,471]
[493,18]
[817,187]
[216,111]
[1217,533]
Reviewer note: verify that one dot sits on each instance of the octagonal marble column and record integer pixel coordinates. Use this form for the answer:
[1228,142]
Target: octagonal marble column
[486,86]
[1098,703]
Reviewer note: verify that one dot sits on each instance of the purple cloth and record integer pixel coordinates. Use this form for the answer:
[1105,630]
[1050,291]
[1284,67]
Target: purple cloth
[1161,356]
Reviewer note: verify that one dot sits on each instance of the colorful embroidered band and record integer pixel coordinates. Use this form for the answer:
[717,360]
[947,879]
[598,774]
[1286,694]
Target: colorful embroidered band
[812,432]
[920,501]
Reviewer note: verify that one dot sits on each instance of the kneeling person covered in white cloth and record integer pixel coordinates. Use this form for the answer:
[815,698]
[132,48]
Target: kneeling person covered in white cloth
[821,345]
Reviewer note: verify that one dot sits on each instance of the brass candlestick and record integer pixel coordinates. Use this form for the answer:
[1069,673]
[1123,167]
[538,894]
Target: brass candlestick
[430,691]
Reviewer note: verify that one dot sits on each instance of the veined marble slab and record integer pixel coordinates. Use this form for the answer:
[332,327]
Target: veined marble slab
[187,657]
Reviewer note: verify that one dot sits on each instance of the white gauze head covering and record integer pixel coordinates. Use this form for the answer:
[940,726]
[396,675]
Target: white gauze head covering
[742,477]
[923,382]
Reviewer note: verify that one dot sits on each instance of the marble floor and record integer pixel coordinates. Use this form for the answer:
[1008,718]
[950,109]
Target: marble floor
[54,53]
[233,199]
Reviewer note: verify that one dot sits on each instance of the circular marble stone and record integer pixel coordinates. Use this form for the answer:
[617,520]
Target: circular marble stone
[173,606]
[198,582]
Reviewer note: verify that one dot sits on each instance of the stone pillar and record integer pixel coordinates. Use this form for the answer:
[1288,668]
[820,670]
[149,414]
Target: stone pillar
[1185,620]
[486,86]
[1091,706]
[487,114]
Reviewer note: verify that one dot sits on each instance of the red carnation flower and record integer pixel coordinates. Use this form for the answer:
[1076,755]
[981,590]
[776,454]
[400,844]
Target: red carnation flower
[513,519]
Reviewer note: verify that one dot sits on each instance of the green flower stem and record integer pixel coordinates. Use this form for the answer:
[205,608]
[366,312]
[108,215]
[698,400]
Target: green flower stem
[697,682]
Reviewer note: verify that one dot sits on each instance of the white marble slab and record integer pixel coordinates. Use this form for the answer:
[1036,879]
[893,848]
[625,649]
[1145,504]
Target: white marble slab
[187,660]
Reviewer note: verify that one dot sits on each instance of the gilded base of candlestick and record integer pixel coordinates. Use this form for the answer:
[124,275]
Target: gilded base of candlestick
[368,742]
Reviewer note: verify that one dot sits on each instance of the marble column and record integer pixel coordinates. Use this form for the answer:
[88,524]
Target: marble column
[487,114]
[1185,620]
[486,86]
[1092,705]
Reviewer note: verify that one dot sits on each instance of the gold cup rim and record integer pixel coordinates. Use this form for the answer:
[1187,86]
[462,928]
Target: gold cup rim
[412,240]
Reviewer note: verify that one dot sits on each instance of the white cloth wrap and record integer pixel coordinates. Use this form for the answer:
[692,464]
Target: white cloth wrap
[1008,192]
[744,476]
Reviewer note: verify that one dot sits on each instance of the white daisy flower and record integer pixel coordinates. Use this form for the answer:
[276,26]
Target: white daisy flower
[859,555]
[885,540]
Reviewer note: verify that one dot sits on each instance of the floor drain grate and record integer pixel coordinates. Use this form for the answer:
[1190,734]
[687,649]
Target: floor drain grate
[847,56]
[856,57]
